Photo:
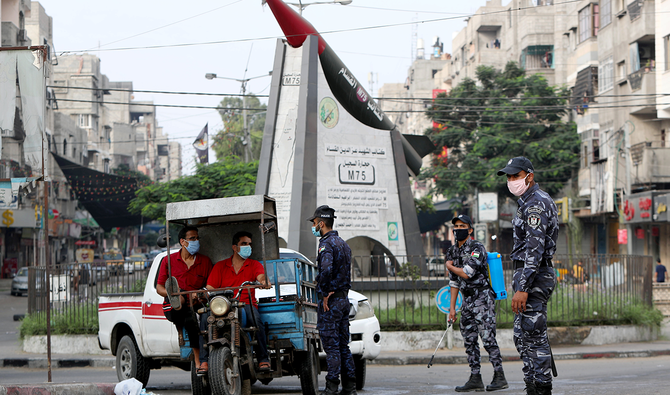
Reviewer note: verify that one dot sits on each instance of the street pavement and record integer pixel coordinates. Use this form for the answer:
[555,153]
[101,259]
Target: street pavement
[13,360]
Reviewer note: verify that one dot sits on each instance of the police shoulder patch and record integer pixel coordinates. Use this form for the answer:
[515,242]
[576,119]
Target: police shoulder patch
[535,209]
[475,254]
[322,249]
[534,220]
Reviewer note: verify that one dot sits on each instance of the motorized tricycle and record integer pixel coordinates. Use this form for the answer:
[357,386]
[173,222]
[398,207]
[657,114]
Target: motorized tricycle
[289,317]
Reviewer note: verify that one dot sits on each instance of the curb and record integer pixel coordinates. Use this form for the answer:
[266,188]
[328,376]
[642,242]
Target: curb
[458,360]
[42,363]
[46,389]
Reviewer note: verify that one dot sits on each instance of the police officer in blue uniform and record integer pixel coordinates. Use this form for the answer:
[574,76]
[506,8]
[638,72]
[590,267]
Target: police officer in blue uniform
[468,272]
[332,284]
[535,233]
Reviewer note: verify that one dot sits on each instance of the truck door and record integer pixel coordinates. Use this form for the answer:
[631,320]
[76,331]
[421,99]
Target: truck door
[159,334]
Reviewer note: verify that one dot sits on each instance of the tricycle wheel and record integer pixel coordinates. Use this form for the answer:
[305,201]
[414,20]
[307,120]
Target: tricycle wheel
[309,371]
[199,385]
[361,369]
[222,371]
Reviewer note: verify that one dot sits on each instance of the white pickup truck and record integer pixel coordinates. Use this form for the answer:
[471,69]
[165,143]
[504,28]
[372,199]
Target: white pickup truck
[133,327]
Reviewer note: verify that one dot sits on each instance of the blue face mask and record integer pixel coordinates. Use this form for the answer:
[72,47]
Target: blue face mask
[245,252]
[316,232]
[193,246]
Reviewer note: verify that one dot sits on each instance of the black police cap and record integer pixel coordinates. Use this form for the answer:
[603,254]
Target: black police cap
[463,218]
[516,165]
[323,212]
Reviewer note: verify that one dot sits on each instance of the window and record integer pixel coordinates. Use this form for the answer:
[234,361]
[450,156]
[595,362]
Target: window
[634,57]
[605,12]
[537,57]
[605,75]
[588,22]
[84,121]
[595,143]
[666,52]
[621,70]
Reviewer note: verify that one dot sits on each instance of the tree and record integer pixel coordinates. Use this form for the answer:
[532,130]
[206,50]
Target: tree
[228,141]
[226,178]
[506,114]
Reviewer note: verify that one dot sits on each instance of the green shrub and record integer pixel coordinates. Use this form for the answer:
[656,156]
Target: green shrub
[78,320]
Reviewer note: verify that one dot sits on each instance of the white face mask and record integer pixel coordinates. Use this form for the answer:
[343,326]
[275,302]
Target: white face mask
[518,187]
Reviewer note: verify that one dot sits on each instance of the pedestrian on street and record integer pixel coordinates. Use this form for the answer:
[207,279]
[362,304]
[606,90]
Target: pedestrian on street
[332,285]
[466,262]
[660,271]
[535,233]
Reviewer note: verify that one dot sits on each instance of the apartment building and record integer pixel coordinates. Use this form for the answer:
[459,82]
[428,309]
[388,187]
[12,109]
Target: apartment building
[613,54]
[121,131]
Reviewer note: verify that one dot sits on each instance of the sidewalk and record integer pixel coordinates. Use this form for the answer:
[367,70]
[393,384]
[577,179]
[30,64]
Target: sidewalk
[457,355]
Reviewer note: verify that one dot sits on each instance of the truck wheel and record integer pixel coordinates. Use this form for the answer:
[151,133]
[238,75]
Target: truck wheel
[130,363]
[199,385]
[221,371]
[361,369]
[309,371]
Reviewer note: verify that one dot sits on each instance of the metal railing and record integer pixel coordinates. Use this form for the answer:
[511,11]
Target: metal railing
[607,287]
[76,287]
[401,289]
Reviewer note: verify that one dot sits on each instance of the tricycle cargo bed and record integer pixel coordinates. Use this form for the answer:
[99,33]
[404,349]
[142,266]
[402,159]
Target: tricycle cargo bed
[284,320]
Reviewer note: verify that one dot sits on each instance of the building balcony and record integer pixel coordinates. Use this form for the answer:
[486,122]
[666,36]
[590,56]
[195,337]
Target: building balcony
[643,84]
[650,162]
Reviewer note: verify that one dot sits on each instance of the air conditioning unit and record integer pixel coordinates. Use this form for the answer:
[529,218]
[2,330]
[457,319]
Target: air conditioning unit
[23,36]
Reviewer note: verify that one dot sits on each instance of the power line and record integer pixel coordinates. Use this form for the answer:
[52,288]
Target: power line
[160,105]
[152,91]
[171,24]
[299,35]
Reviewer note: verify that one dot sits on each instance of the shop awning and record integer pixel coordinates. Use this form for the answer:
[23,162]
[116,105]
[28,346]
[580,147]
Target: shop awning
[105,196]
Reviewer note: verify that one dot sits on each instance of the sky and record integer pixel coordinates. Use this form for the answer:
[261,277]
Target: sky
[237,39]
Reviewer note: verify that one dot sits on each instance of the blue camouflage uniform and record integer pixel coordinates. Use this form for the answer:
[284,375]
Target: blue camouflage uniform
[334,261]
[535,233]
[478,317]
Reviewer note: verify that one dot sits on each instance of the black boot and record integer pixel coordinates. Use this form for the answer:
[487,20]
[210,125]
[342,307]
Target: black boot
[475,383]
[498,383]
[530,387]
[348,386]
[331,388]
[543,388]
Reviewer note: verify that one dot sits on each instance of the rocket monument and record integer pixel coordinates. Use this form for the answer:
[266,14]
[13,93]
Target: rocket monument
[326,141]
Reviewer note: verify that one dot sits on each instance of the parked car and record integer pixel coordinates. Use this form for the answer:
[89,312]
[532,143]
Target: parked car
[138,261]
[20,282]
[436,266]
[114,261]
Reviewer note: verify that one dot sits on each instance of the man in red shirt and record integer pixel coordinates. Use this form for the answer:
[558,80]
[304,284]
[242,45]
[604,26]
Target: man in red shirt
[232,272]
[191,271]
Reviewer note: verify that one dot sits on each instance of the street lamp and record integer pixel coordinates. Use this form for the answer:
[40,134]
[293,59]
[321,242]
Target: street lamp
[302,6]
[247,134]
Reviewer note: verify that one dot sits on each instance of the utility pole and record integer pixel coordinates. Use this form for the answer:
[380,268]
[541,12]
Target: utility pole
[629,186]
[247,135]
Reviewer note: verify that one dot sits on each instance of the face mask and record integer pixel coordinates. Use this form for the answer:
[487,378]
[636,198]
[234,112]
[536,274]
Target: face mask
[245,252]
[461,234]
[316,231]
[193,247]
[518,187]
